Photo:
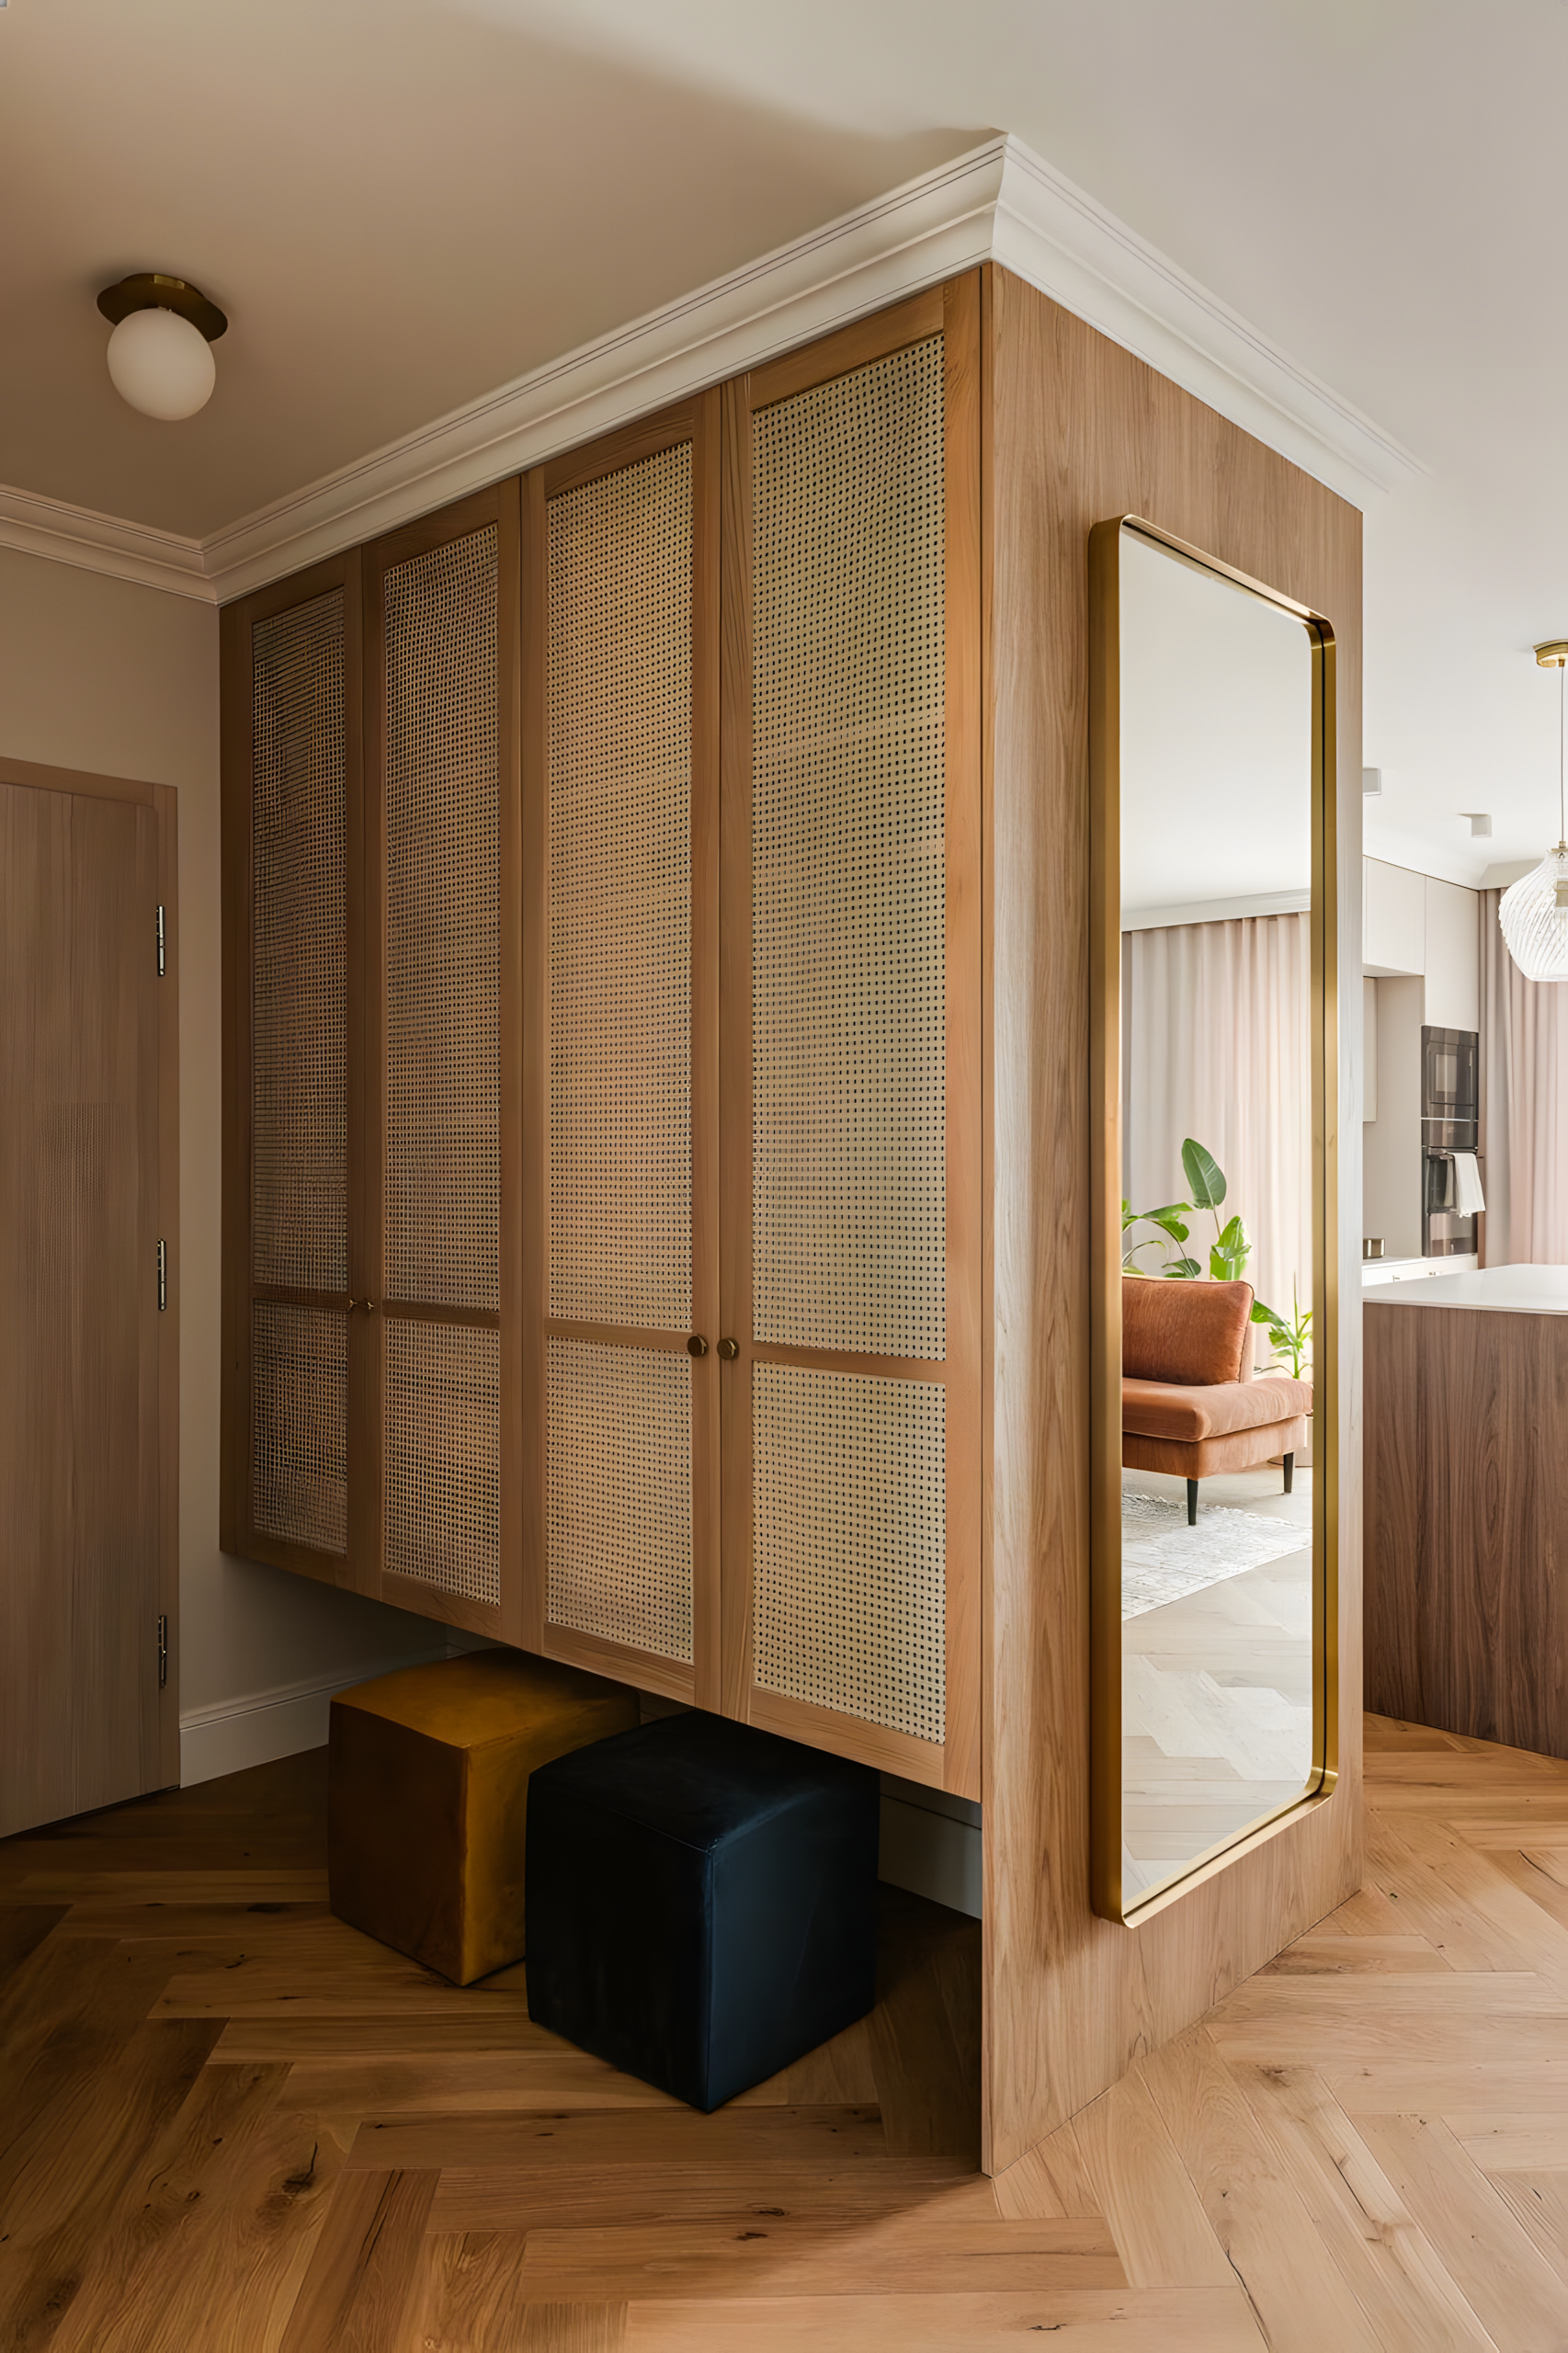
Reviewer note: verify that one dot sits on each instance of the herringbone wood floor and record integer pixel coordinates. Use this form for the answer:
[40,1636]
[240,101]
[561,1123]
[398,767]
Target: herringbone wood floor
[230,2122]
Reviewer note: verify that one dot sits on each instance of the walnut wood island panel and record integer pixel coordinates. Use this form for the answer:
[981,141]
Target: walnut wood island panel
[1466,1540]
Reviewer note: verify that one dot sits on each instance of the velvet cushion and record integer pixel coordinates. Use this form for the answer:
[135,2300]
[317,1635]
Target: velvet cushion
[1192,1333]
[427,1785]
[1212,1457]
[1168,1409]
[701,1902]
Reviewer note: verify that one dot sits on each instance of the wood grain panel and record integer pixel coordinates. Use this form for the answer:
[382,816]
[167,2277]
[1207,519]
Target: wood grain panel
[88,1372]
[1079,430]
[1467,1552]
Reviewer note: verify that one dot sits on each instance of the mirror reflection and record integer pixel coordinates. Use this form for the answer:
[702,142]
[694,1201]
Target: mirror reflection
[1217,1175]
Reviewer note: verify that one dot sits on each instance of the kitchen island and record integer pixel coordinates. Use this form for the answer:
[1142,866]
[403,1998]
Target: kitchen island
[1466,1527]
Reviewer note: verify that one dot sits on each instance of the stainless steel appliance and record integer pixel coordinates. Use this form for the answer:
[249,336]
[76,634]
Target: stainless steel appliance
[1450,1128]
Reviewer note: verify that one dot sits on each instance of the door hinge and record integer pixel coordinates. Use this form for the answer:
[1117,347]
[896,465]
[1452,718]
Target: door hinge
[163,1275]
[161,964]
[162,1654]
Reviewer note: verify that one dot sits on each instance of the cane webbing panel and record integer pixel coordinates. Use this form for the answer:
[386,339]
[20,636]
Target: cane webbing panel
[442,1478]
[443,1067]
[848,1546]
[299,986]
[619,1495]
[619,715]
[849,876]
[300,1424]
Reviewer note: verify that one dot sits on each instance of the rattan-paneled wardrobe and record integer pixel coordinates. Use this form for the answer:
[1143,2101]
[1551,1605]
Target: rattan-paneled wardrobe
[658,922]
[603,1126]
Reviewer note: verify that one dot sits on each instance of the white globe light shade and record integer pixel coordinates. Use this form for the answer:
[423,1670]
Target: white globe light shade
[1533,913]
[162,365]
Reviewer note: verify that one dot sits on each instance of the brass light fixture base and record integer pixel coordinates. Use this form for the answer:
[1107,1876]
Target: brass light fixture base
[1553,654]
[149,290]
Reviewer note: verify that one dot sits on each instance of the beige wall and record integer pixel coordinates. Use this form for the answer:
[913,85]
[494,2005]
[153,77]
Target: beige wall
[98,674]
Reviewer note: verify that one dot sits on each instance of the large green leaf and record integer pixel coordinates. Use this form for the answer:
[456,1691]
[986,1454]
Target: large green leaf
[1229,1256]
[1205,1178]
[1181,1269]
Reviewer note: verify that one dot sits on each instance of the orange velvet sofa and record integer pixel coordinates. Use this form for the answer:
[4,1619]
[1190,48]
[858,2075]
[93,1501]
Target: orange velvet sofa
[1190,1403]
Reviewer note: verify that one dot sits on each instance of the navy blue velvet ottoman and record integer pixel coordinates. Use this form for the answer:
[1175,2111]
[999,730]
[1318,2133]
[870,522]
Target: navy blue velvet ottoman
[700,1904]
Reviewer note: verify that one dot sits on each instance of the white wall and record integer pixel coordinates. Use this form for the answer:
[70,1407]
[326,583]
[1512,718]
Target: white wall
[101,675]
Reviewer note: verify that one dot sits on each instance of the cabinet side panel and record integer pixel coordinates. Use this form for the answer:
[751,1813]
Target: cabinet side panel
[1080,430]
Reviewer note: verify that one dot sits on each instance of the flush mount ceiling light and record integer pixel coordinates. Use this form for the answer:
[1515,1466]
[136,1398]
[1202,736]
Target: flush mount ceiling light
[159,353]
[1534,911]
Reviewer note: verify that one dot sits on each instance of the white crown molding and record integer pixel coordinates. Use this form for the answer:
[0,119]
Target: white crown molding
[48,527]
[1052,234]
[999,202]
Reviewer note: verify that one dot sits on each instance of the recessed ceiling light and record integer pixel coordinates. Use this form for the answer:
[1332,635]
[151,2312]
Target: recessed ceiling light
[160,355]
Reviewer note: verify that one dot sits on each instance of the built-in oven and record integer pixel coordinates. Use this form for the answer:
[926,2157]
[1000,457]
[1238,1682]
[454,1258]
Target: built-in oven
[1450,1086]
[1450,1129]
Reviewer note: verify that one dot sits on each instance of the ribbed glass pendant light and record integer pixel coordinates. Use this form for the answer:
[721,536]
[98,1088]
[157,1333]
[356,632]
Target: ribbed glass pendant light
[1533,911]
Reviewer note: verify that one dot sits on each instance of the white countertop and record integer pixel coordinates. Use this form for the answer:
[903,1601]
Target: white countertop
[1507,1290]
[1375,1271]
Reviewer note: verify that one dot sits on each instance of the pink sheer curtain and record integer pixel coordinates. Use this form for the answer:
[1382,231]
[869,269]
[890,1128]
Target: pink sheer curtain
[1523,1106]
[1217,1044]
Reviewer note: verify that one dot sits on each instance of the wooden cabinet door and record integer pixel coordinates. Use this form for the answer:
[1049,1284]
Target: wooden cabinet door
[620,1276]
[850,1055]
[292,1376]
[436,1267]
[87,1376]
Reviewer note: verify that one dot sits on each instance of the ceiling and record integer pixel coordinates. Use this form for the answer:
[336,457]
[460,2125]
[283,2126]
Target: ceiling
[402,206]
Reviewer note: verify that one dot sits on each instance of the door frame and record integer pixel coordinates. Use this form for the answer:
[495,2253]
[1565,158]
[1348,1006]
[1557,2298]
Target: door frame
[159,1743]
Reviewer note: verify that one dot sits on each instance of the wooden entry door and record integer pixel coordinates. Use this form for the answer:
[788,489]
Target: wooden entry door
[87,1703]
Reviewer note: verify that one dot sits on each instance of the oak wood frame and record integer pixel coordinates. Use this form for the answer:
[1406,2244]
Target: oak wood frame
[1107,1777]
[693,421]
[953,311]
[499,506]
[352,1569]
[1077,428]
[159,1736]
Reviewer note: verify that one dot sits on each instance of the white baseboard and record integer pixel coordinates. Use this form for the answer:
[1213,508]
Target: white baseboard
[930,1845]
[263,1725]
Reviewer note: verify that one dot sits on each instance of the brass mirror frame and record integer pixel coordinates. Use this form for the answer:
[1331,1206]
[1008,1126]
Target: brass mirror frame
[1105,1130]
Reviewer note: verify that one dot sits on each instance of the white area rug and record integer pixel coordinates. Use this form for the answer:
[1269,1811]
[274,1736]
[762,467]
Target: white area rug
[1163,1558]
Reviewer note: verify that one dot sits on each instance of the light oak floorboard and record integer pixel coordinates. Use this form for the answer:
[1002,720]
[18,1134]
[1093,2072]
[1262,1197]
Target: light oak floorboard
[228,2121]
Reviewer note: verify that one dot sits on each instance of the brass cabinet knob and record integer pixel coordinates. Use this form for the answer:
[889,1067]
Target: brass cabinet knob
[370,1307]
[697,1346]
[729,1350]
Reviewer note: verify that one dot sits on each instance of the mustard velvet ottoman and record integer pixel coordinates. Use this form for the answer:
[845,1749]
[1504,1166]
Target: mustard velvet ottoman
[427,1798]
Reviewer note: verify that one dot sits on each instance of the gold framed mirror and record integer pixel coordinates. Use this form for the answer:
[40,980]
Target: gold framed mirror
[1214,1043]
